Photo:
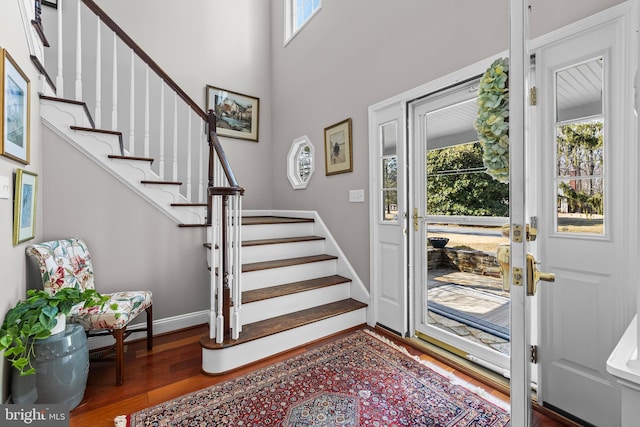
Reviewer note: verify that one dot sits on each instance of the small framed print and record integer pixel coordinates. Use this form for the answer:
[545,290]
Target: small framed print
[14,113]
[24,209]
[237,114]
[338,149]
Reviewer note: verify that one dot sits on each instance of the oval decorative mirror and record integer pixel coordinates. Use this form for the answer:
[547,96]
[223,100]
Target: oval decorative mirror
[300,162]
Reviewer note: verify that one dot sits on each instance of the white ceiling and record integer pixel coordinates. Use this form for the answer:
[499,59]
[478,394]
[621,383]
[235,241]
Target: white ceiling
[579,94]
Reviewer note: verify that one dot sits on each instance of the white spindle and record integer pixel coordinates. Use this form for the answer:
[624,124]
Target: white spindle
[201,163]
[114,108]
[98,115]
[235,265]
[146,112]
[162,123]
[189,145]
[78,54]
[59,78]
[219,325]
[132,106]
[175,137]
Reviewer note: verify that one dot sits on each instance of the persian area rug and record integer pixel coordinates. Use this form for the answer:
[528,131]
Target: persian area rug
[359,380]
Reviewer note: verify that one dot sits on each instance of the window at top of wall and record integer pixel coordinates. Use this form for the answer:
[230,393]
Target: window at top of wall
[297,14]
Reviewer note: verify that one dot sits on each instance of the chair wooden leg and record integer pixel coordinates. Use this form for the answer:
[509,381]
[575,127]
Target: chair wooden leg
[118,334]
[150,327]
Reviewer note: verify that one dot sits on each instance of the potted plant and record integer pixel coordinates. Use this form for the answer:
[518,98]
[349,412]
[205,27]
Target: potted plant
[33,319]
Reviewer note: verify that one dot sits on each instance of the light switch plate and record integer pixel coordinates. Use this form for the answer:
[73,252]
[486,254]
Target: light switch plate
[356,196]
[5,187]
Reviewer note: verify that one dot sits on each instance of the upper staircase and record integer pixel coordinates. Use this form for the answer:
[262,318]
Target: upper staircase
[278,279]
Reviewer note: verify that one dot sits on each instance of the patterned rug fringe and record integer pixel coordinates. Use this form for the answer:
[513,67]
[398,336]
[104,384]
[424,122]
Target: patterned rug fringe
[448,375]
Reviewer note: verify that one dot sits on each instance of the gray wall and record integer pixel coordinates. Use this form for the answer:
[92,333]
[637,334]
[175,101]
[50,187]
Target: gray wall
[12,258]
[220,43]
[356,53]
[133,245]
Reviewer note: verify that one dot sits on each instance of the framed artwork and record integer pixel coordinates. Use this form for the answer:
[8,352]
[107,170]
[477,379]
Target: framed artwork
[14,114]
[338,149]
[24,206]
[237,114]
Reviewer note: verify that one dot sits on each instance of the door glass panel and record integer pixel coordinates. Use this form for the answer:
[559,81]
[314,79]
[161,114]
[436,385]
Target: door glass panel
[389,160]
[389,139]
[466,306]
[580,149]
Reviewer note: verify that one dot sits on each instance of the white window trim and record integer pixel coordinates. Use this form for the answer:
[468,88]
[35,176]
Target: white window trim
[289,34]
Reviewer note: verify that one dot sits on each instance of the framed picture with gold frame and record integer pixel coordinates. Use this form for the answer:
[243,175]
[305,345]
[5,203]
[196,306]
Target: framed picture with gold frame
[24,206]
[338,149]
[14,111]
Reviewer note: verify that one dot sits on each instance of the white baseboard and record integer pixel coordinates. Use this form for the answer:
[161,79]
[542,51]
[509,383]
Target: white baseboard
[160,326]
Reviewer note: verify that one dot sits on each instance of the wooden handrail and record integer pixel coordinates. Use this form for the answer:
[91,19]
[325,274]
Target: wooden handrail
[144,57]
[213,139]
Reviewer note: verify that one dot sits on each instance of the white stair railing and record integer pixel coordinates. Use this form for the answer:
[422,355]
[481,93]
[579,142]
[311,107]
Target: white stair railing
[135,110]
[92,52]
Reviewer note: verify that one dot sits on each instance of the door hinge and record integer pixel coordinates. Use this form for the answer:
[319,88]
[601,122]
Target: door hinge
[534,354]
[533,96]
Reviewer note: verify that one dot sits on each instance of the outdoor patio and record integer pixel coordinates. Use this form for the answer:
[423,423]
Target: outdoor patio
[465,296]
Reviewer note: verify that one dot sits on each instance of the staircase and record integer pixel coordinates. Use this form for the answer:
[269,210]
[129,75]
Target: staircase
[292,293]
[292,285]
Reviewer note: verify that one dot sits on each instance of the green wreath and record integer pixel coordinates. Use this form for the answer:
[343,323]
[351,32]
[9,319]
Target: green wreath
[492,122]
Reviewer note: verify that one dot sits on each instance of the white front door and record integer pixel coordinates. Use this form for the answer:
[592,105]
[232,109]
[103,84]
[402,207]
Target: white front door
[388,217]
[587,214]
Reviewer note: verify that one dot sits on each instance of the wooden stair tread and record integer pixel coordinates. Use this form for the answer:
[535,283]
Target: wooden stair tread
[265,328]
[106,131]
[254,220]
[281,240]
[147,181]
[264,265]
[143,159]
[188,204]
[292,288]
[193,225]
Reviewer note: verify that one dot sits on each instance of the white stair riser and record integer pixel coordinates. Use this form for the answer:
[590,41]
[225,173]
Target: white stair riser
[73,114]
[59,116]
[279,276]
[266,309]
[259,253]
[219,361]
[271,231]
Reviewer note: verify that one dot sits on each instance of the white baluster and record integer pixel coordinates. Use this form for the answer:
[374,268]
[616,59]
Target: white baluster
[162,123]
[98,115]
[189,145]
[114,108]
[132,106]
[201,163]
[175,136]
[78,54]
[146,112]
[59,78]
[235,265]
[219,326]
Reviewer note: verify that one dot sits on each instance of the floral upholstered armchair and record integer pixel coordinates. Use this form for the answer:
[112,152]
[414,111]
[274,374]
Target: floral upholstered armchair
[67,263]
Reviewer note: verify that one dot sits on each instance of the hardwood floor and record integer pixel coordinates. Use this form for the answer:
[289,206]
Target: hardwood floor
[172,369]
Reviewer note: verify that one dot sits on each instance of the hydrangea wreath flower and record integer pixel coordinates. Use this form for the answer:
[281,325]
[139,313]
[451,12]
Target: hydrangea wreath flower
[492,122]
